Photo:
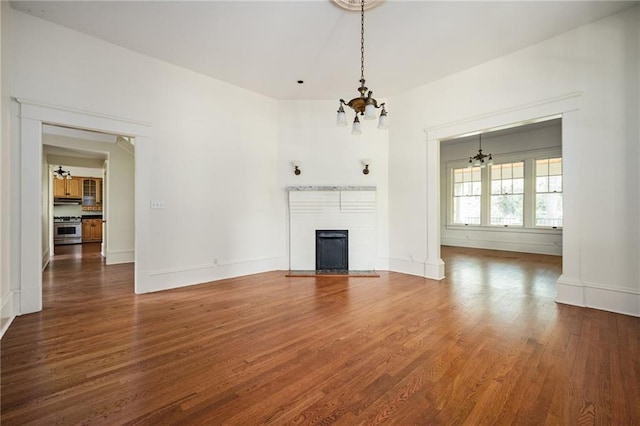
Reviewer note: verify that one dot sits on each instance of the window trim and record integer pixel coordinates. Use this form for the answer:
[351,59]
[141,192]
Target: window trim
[453,196]
[535,189]
[492,195]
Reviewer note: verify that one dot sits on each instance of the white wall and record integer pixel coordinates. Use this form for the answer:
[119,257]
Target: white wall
[601,234]
[69,210]
[330,155]
[211,154]
[82,171]
[501,145]
[119,210]
[7,310]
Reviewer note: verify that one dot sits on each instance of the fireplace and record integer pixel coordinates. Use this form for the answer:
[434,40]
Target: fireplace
[323,208]
[332,250]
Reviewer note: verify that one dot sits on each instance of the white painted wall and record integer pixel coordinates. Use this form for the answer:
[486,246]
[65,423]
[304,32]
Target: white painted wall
[211,154]
[7,311]
[81,171]
[501,145]
[601,236]
[119,209]
[330,155]
[68,210]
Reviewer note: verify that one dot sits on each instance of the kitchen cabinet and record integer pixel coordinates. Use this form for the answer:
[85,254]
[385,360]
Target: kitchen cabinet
[91,230]
[67,188]
[92,194]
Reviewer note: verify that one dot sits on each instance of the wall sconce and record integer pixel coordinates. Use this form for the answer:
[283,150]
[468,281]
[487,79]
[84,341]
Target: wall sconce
[296,167]
[366,163]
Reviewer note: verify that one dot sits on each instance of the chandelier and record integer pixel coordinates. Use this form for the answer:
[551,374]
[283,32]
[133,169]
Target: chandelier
[364,104]
[478,159]
[61,174]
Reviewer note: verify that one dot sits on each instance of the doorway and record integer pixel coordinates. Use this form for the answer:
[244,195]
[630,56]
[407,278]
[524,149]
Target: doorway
[566,106]
[32,117]
[502,190]
[87,157]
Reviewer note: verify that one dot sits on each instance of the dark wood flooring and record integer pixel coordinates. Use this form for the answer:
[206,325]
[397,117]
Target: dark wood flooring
[487,345]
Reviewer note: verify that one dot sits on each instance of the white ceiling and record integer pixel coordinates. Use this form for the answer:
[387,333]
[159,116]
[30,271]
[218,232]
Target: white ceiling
[266,46]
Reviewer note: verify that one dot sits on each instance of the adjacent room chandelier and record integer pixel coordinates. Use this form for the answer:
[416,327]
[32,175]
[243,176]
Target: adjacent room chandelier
[61,174]
[364,104]
[478,159]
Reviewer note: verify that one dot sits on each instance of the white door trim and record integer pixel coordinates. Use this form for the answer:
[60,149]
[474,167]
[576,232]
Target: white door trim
[33,115]
[568,107]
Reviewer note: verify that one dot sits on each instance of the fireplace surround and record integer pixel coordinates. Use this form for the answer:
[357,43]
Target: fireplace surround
[342,208]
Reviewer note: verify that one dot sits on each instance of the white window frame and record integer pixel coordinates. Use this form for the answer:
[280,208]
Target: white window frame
[453,195]
[535,189]
[529,158]
[491,195]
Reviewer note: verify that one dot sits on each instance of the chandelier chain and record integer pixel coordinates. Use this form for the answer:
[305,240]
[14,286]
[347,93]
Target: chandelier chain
[362,39]
[364,105]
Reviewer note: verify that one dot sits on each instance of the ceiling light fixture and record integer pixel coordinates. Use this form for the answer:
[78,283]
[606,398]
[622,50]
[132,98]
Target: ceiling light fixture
[478,159]
[61,174]
[364,104]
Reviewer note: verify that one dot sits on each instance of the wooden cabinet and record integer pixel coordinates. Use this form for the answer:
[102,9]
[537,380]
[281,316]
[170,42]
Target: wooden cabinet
[92,194]
[67,188]
[91,230]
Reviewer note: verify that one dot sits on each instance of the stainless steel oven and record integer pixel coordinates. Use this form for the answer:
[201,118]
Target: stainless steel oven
[67,230]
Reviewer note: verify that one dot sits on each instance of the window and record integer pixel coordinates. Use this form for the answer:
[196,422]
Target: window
[523,190]
[507,194]
[549,192]
[467,192]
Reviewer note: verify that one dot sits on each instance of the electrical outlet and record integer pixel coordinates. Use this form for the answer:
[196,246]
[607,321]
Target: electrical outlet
[157,204]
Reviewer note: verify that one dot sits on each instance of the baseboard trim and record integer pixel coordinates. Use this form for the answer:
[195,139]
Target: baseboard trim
[5,325]
[523,247]
[115,257]
[598,296]
[46,257]
[570,291]
[166,279]
[408,267]
[8,311]
[434,269]
[621,301]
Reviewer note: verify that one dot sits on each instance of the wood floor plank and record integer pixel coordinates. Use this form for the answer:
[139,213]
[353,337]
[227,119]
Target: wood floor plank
[487,345]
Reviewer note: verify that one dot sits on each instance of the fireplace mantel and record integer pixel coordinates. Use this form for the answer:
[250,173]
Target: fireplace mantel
[330,188]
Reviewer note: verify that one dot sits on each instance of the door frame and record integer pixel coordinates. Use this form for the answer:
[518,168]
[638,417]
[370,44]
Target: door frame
[32,115]
[568,107]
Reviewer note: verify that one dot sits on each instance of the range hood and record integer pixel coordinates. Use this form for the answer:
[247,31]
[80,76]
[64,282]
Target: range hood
[67,201]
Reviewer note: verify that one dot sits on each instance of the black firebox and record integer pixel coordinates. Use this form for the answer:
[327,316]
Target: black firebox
[332,250]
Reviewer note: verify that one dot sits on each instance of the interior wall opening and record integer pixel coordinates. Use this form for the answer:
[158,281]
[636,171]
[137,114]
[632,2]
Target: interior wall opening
[501,189]
[77,200]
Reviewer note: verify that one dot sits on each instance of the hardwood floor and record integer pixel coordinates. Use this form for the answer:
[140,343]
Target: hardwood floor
[488,345]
